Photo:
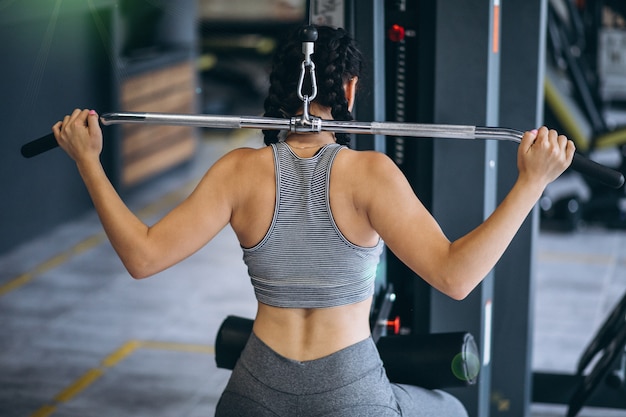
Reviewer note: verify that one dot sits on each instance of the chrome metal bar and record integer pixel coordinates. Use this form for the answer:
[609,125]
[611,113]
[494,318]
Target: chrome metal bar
[424,130]
[499,133]
[315,124]
[581,164]
[296,124]
[196,120]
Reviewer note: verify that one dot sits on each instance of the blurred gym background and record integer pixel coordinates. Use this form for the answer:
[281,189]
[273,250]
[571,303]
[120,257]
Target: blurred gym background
[78,337]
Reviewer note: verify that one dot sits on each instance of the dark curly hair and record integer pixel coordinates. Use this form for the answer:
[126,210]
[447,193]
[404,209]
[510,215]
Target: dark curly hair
[337,60]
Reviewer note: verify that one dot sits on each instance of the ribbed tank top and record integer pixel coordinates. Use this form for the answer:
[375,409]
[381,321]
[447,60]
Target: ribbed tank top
[304,261]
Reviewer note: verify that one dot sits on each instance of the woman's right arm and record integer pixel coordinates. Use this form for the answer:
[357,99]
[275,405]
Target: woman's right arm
[146,250]
[456,268]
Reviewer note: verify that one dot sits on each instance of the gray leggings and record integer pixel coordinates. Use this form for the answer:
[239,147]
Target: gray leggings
[348,383]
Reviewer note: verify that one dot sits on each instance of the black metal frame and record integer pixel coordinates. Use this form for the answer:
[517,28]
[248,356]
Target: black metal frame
[604,385]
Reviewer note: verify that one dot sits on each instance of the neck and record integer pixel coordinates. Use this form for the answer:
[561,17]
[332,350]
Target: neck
[305,147]
[309,141]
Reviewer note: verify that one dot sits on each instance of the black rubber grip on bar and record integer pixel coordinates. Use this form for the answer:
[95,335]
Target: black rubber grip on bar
[38,146]
[597,171]
[41,145]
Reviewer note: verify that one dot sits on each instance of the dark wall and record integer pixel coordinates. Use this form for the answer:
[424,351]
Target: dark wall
[55,56]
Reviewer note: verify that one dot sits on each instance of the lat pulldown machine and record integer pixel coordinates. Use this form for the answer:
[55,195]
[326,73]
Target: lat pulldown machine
[442,360]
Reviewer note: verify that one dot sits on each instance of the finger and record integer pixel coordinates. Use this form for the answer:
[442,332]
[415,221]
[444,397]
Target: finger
[83,116]
[539,137]
[73,119]
[562,141]
[72,116]
[76,113]
[542,134]
[92,121]
[528,139]
[570,150]
[56,129]
[74,122]
[553,136]
[66,122]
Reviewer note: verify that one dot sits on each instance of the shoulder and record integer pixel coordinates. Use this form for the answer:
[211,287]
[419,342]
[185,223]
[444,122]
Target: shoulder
[368,174]
[238,167]
[373,178]
[244,159]
[366,164]
[365,156]
[246,154]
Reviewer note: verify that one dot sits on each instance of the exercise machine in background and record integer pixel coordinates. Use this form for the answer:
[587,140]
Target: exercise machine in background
[586,62]
[600,377]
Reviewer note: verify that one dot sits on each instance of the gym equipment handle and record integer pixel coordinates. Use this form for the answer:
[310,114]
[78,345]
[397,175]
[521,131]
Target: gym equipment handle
[597,171]
[37,146]
[585,166]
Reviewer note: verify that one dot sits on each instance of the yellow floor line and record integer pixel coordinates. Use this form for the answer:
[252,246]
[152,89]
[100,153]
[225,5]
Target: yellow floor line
[44,411]
[112,360]
[168,200]
[79,385]
[52,263]
[116,357]
[16,283]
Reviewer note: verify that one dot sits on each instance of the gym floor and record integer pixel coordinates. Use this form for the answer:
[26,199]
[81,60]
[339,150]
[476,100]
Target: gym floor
[79,337]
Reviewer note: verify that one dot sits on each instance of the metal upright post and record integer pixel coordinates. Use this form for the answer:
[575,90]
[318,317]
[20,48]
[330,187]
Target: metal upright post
[521,107]
[467,59]
[442,64]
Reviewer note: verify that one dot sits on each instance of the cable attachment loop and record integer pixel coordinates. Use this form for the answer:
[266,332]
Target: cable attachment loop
[308,35]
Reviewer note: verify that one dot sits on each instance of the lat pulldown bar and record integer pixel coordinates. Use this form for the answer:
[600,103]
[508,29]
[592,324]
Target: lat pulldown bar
[581,164]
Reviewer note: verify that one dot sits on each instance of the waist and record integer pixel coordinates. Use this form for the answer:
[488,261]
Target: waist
[309,334]
[328,373]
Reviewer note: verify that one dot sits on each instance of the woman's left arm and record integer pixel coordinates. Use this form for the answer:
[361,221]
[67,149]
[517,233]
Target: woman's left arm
[145,250]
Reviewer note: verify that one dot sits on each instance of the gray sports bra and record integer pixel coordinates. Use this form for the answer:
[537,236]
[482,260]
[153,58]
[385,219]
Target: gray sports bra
[304,261]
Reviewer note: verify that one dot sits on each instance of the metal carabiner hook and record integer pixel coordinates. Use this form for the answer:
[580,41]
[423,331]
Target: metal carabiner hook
[301,94]
[307,99]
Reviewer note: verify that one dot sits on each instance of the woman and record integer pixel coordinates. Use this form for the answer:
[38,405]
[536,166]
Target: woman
[311,216]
